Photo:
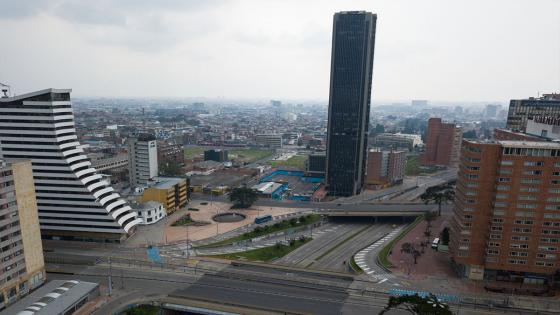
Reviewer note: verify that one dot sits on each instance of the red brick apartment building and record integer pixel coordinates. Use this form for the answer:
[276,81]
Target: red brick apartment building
[384,167]
[443,143]
[506,223]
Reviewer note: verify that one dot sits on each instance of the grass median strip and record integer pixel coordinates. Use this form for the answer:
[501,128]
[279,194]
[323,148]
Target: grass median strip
[266,254]
[267,229]
[383,255]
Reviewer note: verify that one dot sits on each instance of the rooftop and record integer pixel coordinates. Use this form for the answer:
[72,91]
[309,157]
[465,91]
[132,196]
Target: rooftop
[53,298]
[166,182]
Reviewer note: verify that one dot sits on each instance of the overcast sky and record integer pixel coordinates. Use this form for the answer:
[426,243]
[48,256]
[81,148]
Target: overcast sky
[462,50]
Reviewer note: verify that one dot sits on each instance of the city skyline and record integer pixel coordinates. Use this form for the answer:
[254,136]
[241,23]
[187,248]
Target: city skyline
[247,49]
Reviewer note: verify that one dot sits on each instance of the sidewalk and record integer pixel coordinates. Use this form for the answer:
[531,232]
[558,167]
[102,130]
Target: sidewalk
[431,263]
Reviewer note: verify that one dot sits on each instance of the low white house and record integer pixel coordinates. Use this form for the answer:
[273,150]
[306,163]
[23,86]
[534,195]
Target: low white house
[150,211]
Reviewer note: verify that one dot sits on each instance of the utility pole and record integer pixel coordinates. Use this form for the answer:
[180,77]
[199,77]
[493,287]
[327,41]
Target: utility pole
[110,280]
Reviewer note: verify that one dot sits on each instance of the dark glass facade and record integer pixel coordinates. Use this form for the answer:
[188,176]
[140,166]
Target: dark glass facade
[353,45]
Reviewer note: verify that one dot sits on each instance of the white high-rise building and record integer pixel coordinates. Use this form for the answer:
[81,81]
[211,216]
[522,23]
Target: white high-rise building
[142,159]
[73,200]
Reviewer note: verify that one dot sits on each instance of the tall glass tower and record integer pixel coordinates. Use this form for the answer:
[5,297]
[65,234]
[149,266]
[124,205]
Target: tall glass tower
[353,43]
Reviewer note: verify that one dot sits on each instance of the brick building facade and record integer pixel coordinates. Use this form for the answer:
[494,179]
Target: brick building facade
[506,224]
[443,143]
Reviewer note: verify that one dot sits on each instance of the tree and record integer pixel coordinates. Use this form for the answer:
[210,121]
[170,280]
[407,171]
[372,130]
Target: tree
[409,248]
[243,197]
[445,236]
[170,168]
[414,304]
[439,195]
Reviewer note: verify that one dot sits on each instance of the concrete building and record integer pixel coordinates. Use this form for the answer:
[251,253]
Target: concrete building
[491,110]
[142,159]
[150,211]
[273,141]
[171,192]
[522,110]
[506,223]
[443,143]
[316,164]
[22,267]
[74,201]
[385,167]
[117,162]
[170,152]
[353,44]
[58,297]
[217,155]
[544,126]
[398,141]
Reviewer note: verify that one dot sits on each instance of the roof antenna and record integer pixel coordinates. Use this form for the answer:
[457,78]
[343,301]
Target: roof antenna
[5,90]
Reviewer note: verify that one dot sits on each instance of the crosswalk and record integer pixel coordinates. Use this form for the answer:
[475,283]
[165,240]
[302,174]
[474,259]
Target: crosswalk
[370,266]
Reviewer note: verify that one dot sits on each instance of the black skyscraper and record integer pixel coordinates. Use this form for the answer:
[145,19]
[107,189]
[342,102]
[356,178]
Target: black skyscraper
[353,44]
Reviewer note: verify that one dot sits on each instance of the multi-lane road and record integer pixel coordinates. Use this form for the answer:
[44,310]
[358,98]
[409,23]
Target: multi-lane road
[250,289]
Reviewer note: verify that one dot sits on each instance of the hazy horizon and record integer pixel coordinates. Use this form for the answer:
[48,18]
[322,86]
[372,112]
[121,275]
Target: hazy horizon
[475,51]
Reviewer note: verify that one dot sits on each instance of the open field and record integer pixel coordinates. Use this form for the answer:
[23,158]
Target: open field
[249,155]
[192,152]
[295,162]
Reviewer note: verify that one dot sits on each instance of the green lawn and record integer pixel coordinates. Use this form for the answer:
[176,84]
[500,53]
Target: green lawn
[266,253]
[192,152]
[295,162]
[268,229]
[412,166]
[249,155]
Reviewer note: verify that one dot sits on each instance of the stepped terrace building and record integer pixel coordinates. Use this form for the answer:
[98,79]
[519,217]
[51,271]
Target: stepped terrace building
[73,200]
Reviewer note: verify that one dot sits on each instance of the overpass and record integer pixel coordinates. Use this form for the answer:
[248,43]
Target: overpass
[378,209]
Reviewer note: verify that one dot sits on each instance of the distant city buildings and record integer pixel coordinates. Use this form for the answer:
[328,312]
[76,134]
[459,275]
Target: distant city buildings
[506,223]
[143,159]
[398,141]
[22,267]
[74,201]
[492,110]
[216,155]
[522,110]
[385,167]
[443,144]
[419,103]
[273,141]
[170,153]
[353,43]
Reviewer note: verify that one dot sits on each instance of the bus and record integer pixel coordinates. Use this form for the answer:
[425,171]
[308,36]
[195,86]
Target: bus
[263,218]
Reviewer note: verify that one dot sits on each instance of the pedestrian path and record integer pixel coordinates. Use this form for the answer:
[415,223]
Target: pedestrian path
[366,259]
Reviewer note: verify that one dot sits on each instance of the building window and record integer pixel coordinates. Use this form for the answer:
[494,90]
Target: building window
[521,230]
[495,236]
[527,197]
[499,213]
[529,189]
[504,179]
[503,188]
[494,244]
[502,196]
[526,206]
[520,238]
[524,222]
[506,162]
[505,171]
[490,251]
[498,220]
[532,181]
[553,199]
